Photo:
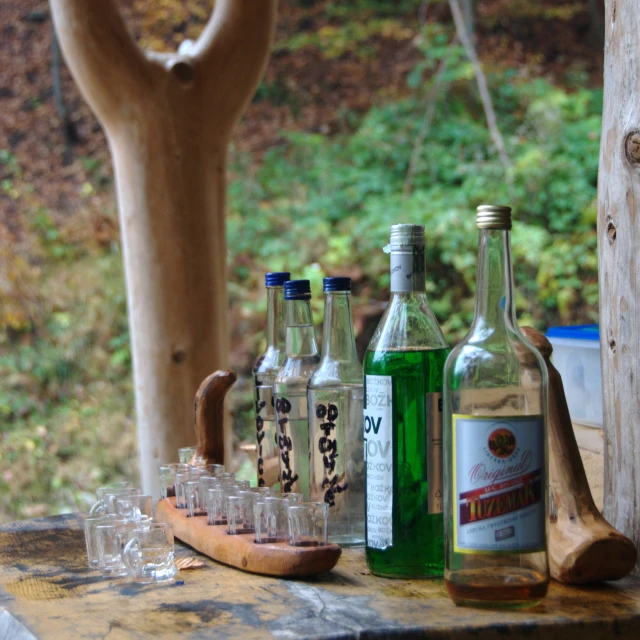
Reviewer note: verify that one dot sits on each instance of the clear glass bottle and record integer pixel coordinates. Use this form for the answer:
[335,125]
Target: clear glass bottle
[495,443]
[336,396]
[265,370]
[290,389]
[403,422]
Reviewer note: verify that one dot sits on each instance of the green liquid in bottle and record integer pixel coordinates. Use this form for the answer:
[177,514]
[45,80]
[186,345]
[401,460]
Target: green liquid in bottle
[417,548]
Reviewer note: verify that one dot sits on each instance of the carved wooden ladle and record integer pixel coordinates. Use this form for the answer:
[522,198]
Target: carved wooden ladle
[583,547]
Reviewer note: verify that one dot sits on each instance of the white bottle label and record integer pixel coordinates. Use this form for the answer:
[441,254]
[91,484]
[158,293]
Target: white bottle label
[499,484]
[378,452]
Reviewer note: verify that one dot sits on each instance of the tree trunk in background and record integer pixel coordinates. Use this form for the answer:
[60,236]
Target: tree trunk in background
[619,266]
[168,119]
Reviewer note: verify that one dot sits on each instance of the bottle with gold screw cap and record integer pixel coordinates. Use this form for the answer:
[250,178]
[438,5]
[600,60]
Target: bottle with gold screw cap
[495,443]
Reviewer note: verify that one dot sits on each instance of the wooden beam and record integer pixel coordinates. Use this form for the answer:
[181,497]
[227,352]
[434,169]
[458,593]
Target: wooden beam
[168,120]
[619,265]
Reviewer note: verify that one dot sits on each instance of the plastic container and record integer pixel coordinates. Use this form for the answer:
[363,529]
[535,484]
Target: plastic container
[576,355]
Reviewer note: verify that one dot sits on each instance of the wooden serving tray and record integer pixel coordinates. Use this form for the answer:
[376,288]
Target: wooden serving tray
[241,552]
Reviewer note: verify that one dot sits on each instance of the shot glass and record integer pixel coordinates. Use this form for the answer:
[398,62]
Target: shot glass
[165,473]
[214,469]
[134,508]
[240,513]
[196,472]
[263,491]
[149,554]
[291,498]
[270,520]
[90,535]
[180,478]
[186,454]
[226,477]
[195,505]
[109,538]
[107,499]
[308,524]
[216,502]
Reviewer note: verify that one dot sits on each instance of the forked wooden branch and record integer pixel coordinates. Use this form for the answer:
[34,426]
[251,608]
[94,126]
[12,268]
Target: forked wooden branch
[168,118]
[583,547]
[209,414]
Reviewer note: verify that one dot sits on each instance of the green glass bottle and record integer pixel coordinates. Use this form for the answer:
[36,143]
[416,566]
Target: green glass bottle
[403,370]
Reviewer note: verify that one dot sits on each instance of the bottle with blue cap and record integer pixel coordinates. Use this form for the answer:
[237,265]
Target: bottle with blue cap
[264,374]
[290,388]
[336,395]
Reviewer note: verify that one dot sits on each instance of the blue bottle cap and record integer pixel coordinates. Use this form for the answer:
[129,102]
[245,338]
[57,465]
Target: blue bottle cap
[276,278]
[297,290]
[336,284]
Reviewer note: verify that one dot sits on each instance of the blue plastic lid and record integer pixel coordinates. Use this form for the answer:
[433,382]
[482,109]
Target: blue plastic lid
[276,278]
[297,290]
[336,284]
[578,332]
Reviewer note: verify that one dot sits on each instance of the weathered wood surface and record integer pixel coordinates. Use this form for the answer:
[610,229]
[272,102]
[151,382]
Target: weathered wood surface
[47,591]
[241,552]
[168,118]
[619,266]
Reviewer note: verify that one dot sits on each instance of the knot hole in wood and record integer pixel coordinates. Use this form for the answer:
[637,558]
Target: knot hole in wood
[632,147]
[183,72]
[612,232]
[179,356]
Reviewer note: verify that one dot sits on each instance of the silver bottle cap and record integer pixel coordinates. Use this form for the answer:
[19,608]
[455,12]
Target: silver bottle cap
[493,216]
[407,234]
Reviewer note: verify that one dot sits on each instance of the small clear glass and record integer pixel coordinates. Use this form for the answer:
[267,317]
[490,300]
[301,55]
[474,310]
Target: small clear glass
[270,520]
[213,469]
[109,541]
[226,477]
[240,513]
[308,524]
[169,479]
[90,535]
[195,503]
[216,504]
[186,454]
[134,508]
[107,499]
[149,554]
[290,498]
[180,478]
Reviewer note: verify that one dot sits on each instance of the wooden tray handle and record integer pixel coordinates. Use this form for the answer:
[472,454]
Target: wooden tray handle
[209,414]
[583,547]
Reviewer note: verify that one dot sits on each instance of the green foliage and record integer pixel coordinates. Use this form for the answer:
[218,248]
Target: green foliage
[328,201]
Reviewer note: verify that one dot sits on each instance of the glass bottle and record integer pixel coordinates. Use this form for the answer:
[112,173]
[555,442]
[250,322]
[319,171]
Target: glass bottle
[336,395]
[495,443]
[403,370]
[265,370]
[290,389]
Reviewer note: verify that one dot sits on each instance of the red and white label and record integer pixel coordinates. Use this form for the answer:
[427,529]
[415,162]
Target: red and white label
[499,484]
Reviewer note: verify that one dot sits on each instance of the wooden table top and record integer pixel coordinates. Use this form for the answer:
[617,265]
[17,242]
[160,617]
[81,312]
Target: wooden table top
[47,591]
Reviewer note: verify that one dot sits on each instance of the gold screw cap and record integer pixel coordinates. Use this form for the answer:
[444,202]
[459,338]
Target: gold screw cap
[493,216]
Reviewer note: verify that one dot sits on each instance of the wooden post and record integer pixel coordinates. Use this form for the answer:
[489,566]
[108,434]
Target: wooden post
[168,119]
[619,265]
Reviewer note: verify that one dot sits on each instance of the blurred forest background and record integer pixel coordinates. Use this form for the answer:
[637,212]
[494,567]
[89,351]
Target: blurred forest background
[369,114]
